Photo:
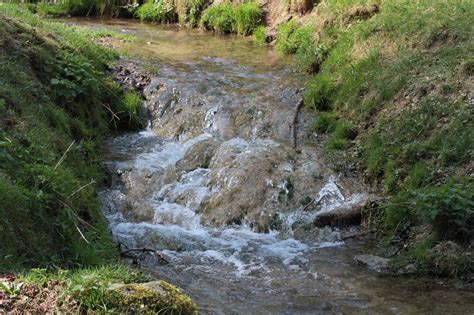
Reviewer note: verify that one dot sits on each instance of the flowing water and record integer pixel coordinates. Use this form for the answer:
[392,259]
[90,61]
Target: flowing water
[215,185]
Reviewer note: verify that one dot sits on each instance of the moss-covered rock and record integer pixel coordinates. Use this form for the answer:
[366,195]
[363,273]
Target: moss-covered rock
[155,296]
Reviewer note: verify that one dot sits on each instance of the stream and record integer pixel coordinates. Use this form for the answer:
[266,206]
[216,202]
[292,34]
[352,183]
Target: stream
[215,185]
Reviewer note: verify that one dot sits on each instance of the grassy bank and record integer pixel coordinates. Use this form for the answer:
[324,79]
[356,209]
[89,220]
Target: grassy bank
[56,106]
[392,96]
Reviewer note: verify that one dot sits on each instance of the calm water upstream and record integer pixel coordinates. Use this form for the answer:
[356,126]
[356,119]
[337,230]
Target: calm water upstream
[216,166]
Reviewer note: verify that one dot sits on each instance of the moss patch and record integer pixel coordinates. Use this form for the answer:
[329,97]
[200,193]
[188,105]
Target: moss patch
[157,296]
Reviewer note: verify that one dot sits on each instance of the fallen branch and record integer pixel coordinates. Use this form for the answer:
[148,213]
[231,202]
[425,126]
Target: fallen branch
[134,253]
[294,123]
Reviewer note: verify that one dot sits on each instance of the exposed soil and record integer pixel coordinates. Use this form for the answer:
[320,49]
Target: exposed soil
[31,298]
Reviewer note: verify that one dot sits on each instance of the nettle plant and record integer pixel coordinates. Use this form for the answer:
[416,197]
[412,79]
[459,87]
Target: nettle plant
[72,77]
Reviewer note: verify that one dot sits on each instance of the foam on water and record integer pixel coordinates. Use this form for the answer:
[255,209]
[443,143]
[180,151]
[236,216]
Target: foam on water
[176,229]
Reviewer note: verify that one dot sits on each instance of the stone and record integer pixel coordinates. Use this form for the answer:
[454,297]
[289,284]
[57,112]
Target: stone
[375,263]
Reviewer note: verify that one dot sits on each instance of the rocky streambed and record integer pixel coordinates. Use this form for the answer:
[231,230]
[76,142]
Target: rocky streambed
[216,185]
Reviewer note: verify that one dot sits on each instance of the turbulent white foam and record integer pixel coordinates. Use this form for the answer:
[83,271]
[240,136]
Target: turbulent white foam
[166,154]
[176,229]
[191,187]
[175,214]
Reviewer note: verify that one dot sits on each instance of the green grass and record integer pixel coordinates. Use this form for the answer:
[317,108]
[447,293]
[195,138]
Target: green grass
[390,91]
[113,8]
[160,12]
[410,50]
[240,19]
[88,286]
[219,18]
[299,40]
[260,35]
[56,104]
[91,290]
[248,17]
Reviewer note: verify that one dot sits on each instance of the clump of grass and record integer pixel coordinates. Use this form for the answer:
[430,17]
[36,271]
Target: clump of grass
[219,18]
[299,40]
[159,12]
[287,42]
[240,19]
[320,93]
[248,17]
[324,123]
[260,35]
[132,103]
[46,9]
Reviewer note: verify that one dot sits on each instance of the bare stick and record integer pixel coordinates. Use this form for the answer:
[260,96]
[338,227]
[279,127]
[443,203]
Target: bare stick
[82,235]
[295,121]
[81,188]
[64,155]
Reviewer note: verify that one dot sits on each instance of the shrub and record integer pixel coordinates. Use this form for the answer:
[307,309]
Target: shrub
[248,17]
[160,12]
[449,208]
[219,18]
